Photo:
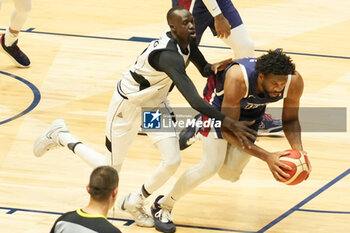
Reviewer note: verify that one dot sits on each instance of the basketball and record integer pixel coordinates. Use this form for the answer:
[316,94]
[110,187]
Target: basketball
[300,165]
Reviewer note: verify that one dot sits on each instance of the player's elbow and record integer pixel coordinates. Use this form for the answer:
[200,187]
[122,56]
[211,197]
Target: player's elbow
[196,103]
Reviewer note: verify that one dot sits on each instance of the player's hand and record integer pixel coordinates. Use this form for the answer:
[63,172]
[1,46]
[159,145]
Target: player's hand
[241,130]
[221,65]
[222,26]
[275,165]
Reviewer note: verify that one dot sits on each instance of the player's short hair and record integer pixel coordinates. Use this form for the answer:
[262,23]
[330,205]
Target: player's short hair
[103,180]
[170,13]
[275,62]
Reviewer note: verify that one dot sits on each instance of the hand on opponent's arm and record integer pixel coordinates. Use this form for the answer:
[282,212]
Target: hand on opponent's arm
[219,66]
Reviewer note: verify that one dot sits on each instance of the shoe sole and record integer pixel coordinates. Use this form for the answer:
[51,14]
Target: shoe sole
[271,130]
[189,133]
[162,230]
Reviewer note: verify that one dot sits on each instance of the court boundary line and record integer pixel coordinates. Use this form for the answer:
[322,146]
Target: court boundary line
[149,39]
[306,200]
[128,222]
[33,104]
[297,207]
[324,211]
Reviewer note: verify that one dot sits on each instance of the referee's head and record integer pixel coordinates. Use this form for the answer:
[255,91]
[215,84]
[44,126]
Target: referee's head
[103,185]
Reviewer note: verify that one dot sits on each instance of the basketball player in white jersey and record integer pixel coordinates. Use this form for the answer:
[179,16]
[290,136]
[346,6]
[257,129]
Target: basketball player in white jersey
[147,84]
[241,91]
[9,39]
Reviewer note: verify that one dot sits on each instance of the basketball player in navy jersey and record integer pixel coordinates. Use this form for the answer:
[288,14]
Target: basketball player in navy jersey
[147,84]
[241,91]
[225,22]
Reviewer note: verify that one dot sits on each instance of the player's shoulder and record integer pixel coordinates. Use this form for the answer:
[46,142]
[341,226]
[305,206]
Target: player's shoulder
[247,61]
[297,80]
[235,72]
[234,79]
[297,76]
[296,86]
[167,41]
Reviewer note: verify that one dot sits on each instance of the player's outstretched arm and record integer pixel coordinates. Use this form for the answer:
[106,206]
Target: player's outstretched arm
[173,65]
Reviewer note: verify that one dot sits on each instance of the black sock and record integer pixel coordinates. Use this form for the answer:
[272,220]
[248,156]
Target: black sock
[72,146]
[144,192]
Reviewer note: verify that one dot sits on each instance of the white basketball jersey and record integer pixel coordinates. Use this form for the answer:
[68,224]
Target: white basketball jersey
[143,84]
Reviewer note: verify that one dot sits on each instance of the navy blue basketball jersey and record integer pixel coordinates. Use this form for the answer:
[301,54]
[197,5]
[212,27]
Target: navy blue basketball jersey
[252,105]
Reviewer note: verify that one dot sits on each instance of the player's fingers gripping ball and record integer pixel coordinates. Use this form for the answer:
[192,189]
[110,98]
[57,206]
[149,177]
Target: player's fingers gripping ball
[300,165]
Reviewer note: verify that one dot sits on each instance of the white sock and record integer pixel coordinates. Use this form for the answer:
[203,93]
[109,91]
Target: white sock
[90,156]
[10,38]
[65,138]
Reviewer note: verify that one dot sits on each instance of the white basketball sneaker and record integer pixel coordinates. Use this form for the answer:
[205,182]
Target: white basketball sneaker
[137,210]
[49,139]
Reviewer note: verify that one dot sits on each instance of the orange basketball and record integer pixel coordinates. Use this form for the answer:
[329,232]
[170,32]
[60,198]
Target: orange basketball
[300,165]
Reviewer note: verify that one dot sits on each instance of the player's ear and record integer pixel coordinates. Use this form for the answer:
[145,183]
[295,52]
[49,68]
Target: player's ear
[261,76]
[88,188]
[115,192]
[172,27]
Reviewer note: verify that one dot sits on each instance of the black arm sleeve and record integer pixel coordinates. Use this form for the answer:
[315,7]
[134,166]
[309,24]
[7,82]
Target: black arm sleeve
[197,58]
[173,65]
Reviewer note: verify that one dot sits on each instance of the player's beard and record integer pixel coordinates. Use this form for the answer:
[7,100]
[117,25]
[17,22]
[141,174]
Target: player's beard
[267,93]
